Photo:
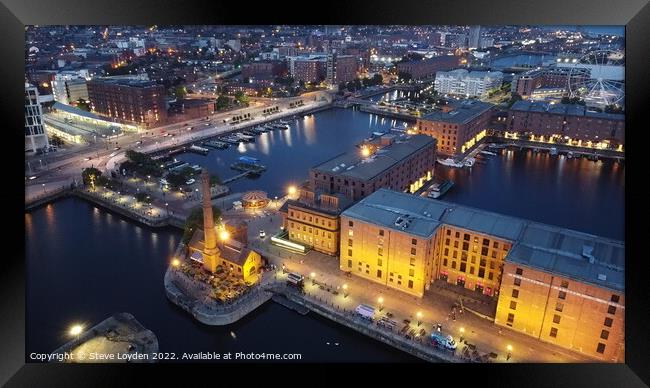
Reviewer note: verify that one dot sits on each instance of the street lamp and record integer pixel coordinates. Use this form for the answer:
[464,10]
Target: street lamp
[462,332]
[381,303]
[419,315]
[43,188]
[76,330]
[345,290]
[167,208]
[313,278]
[509,347]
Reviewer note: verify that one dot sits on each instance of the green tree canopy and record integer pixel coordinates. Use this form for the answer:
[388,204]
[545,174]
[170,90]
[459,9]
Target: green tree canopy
[222,102]
[195,221]
[89,175]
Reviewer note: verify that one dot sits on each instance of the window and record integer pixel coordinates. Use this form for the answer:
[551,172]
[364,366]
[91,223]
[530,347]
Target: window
[413,251]
[615,298]
[483,262]
[559,306]
[481,272]
[380,251]
[484,251]
[463,267]
[490,275]
[515,293]
[455,244]
[410,283]
[611,310]
[608,322]
[349,252]
[556,318]
[412,261]
[511,318]
[379,273]
[553,332]
[455,255]
[457,235]
[517,282]
[379,262]
[414,241]
[495,245]
[604,334]
[446,251]
[513,305]
[381,232]
[465,246]
[565,284]
[349,242]
[453,265]
[447,241]
[486,242]
[350,223]
[350,232]
[494,254]
[444,262]
[411,272]
[448,232]
[349,263]
[466,237]
[471,270]
[519,271]
[561,295]
[601,348]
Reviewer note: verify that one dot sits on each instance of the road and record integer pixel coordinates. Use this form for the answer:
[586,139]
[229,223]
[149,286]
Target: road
[66,165]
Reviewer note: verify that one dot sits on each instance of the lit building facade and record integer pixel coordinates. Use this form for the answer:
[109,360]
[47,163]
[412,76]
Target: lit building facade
[557,285]
[429,66]
[128,100]
[401,163]
[566,288]
[313,220]
[458,126]
[574,124]
[35,133]
[465,83]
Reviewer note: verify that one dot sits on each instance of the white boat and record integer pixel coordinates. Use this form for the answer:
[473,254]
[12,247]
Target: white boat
[569,155]
[488,153]
[553,151]
[450,162]
[470,162]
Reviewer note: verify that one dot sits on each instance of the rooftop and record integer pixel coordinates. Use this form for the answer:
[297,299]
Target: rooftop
[462,112]
[131,82]
[584,257]
[75,111]
[563,109]
[352,164]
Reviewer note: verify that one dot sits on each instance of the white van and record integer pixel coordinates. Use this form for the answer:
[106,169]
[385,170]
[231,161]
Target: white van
[443,340]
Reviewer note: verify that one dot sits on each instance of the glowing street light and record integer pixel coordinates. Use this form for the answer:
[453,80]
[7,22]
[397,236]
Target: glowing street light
[365,152]
[176,262]
[381,303]
[313,278]
[224,235]
[292,190]
[462,332]
[419,315]
[509,347]
[345,290]
[76,330]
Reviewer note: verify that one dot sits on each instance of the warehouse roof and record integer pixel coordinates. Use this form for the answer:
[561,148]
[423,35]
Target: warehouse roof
[584,257]
[463,112]
[563,109]
[352,164]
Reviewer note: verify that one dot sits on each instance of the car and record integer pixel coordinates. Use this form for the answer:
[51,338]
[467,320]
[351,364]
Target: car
[138,142]
[116,149]
[190,181]
[262,234]
[87,159]
[31,178]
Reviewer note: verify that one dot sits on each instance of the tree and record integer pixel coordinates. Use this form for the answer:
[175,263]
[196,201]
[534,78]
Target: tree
[377,79]
[56,140]
[241,98]
[89,175]
[175,179]
[514,98]
[195,221]
[83,105]
[215,180]
[180,92]
[143,197]
[222,102]
[613,108]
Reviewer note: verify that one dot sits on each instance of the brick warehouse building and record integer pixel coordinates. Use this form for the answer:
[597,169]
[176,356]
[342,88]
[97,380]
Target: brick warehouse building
[556,284]
[129,101]
[568,122]
[458,126]
[428,67]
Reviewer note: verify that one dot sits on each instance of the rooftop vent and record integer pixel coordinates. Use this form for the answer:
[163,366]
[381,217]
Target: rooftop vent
[602,276]
[586,252]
